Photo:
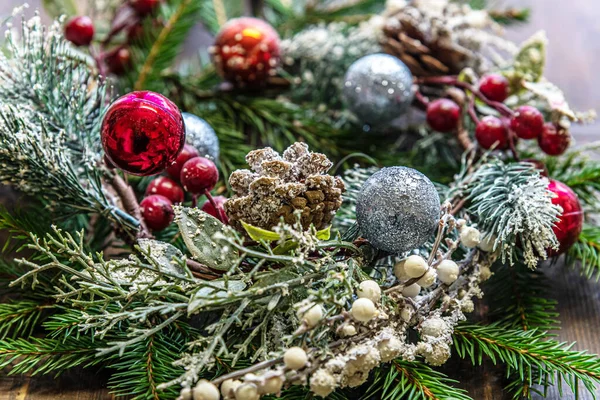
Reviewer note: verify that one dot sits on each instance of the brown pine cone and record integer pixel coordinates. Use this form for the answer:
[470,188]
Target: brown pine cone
[278,186]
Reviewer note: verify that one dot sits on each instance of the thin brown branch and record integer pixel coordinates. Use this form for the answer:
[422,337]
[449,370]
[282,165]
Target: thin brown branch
[130,203]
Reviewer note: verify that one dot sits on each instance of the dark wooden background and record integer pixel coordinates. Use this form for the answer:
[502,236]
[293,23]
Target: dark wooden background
[573,28]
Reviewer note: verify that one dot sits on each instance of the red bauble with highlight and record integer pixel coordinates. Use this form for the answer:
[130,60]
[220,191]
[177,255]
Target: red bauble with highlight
[174,170]
[443,115]
[166,187]
[80,31]
[246,51]
[199,175]
[157,212]
[570,224]
[208,208]
[142,133]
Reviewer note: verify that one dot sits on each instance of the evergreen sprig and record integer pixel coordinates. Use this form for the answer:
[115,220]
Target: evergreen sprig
[587,251]
[19,318]
[413,380]
[580,173]
[524,351]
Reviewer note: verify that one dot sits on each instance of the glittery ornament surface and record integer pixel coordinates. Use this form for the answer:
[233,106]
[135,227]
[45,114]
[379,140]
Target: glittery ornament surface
[378,88]
[201,136]
[246,51]
[397,209]
[142,133]
[570,222]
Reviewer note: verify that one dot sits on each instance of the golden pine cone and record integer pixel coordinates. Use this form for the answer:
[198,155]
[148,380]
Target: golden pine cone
[277,186]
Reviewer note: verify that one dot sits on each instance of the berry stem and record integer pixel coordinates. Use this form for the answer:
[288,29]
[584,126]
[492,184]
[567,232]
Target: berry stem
[194,200]
[511,145]
[422,100]
[453,81]
[214,204]
[471,110]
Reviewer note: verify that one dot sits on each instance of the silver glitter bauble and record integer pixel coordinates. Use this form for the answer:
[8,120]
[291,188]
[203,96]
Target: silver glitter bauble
[202,136]
[378,88]
[397,209]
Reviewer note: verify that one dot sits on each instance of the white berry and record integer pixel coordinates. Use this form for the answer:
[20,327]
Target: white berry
[487,243]
[434,327]
[228,388]
[415,266]
[470,236]
[205,390]
[295,358]
[485,273]
[271,385]
[411,290]
[363,310]
[313,315]
[247,391]
[348,330]
[185,394]
[448,271]
[369,290]
[399,271]
[428,279]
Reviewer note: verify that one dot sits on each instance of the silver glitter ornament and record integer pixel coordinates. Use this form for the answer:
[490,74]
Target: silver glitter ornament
[201,136]
[397,209]
[378,88]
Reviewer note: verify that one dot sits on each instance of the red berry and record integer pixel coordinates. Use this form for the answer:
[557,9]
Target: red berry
[246,51]
[527,123]
[144,7]
[208,208]
[185,154]
[198,175]
[494,87]
[142,133]
[119,61]
[166,187]
[537,164]
[570,222]
[491,131]
[554,141]
[443,115]
[80,31]
[157,211]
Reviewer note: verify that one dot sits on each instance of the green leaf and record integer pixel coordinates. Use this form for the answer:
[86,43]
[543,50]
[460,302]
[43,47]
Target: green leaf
[259,234]
[218,288]
[162,255]
[530,61]
[56,8]
[324,234]
[198,230]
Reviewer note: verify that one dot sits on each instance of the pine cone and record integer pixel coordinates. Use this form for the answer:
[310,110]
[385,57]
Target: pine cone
[277,186]
[436,38]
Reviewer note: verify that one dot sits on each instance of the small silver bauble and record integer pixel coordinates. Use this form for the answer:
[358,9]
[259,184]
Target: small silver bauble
[397,209]
[201,136]
[378,88]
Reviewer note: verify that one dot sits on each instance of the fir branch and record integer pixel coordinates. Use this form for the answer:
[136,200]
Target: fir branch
[520,299]
[43,355]
[522,351]
[580,173]
[587,251]
[413,380]
[20,223]
[19,318]
[158,53]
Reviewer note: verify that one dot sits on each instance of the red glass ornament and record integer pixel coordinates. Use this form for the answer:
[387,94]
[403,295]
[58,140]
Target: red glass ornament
[527,123]
[539,165]
[208,208]
[443,115]
[246,51]
[554,141]
[119,60]
[142,133]
[491,130]
[80,31]
[174,170]
[157,212]
[494,87]
[144,7]
[199,175]
[166,187]
[570,223]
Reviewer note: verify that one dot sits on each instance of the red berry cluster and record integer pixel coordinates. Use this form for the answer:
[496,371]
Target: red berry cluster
[194,174]
[526,122]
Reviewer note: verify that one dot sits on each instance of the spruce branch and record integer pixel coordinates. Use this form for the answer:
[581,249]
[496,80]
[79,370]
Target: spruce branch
[521,351]
[587,251]
[19,318]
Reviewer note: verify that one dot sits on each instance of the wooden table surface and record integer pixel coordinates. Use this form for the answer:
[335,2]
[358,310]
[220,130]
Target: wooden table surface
[573,28]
